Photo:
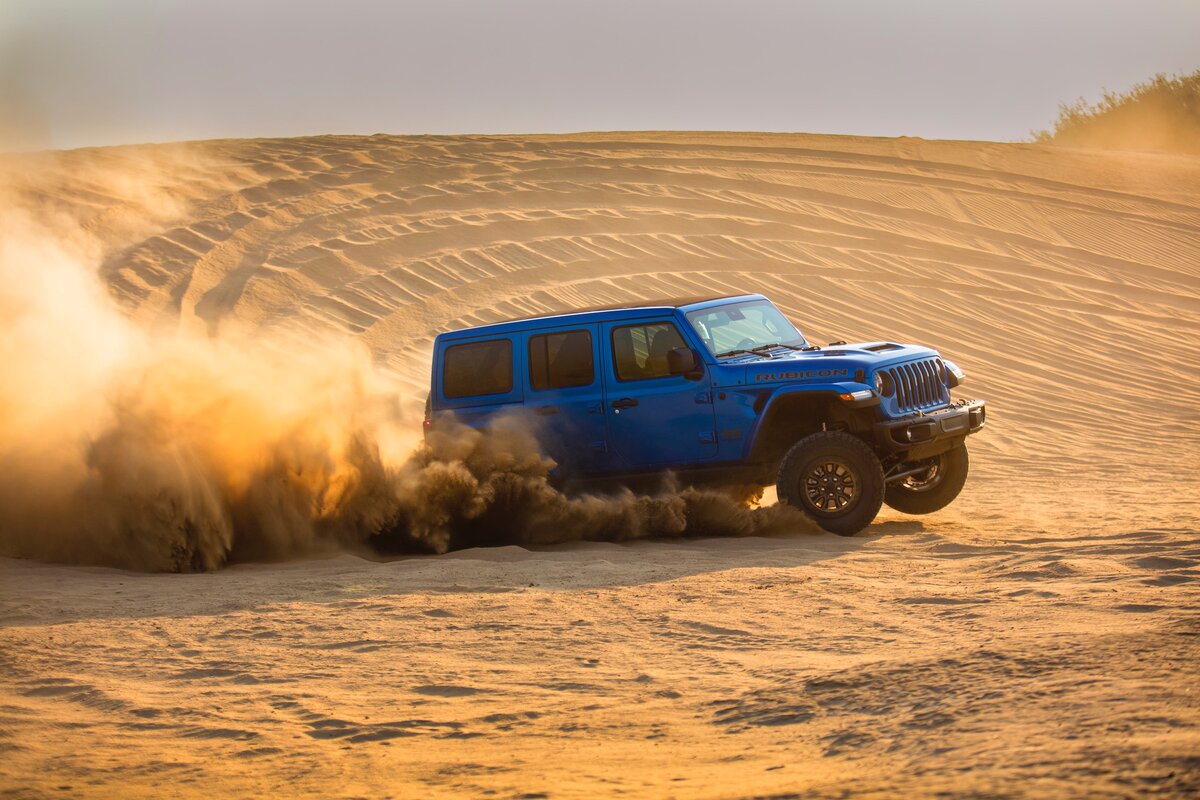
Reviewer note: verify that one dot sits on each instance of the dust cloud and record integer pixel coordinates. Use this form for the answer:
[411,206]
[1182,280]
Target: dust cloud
[465,487]
[176,451]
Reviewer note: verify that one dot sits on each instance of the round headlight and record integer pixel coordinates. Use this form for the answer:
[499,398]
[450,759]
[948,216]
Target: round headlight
[883,384]
[954,375]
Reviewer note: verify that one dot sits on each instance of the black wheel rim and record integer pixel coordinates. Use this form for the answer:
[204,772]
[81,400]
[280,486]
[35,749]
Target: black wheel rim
[830,486]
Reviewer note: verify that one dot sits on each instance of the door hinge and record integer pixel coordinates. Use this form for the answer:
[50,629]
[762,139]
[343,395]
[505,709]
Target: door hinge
[600,447]
[708,437]
[595,408]
[704,397]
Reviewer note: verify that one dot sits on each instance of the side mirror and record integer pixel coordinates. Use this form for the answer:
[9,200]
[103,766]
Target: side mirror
[684,361]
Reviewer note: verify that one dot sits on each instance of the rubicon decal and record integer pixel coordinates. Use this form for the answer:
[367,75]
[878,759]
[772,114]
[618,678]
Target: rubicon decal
[801,376]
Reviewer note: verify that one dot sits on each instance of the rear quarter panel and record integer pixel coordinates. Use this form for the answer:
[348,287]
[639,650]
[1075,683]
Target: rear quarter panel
[477,410]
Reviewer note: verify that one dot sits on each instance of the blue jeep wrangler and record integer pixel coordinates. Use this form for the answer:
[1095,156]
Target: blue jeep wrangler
[719,390]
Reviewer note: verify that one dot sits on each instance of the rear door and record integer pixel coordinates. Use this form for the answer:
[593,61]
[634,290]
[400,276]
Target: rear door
[565,394]
[655,419]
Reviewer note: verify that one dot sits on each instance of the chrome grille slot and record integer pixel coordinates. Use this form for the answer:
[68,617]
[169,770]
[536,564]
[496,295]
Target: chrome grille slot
[918,384]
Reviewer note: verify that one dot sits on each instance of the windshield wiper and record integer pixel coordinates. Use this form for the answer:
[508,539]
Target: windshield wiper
[761,350]
[762,347]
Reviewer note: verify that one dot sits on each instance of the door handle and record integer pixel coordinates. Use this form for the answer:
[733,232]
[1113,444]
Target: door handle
[624,402]
[545,411]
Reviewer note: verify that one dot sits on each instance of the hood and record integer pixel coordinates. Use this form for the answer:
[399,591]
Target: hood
[843,363]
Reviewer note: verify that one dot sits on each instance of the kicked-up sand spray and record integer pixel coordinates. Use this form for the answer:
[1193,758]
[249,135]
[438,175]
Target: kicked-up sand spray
[177,450]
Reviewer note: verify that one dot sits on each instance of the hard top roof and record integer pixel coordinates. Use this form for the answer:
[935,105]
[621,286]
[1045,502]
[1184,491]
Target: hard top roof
[630,309]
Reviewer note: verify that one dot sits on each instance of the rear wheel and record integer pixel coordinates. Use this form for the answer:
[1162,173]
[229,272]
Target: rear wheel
[835,479]
[935,487]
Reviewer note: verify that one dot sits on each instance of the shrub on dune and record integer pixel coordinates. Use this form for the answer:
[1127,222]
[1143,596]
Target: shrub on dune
[1159,115]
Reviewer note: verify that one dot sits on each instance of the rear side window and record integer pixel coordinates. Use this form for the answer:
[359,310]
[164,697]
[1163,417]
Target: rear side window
[478,368]
[561,360]
[640,351]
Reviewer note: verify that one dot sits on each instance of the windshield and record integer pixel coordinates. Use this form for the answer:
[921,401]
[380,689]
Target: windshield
[743,326]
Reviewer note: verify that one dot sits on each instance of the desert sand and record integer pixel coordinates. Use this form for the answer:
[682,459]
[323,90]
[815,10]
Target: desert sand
[1039,638]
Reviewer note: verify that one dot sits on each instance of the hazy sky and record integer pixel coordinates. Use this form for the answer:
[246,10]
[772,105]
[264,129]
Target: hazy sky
[83,72]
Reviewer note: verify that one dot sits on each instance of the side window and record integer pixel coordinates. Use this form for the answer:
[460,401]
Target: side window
[478,368]
[640,351]
[561,360]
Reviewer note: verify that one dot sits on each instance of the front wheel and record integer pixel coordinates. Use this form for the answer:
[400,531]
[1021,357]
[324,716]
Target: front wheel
[835,479]
[935,487]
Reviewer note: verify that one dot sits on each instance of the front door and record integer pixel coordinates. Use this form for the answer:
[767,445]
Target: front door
[655,419]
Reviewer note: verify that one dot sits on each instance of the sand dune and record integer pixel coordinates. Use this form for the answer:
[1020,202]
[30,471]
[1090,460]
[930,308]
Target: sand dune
[1037,638]
[1059,276]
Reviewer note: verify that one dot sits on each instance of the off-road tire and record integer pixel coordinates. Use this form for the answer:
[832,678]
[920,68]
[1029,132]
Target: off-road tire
[913,497]
[821,463]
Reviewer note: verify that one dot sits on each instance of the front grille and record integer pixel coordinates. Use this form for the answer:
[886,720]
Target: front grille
[919,384]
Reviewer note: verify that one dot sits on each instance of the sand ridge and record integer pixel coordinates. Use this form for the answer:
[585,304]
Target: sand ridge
[1037,638]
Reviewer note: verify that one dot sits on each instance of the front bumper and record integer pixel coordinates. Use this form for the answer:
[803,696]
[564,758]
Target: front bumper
[928,433]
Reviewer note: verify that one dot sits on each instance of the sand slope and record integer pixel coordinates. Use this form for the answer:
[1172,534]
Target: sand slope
[1038,638]
[1053,274]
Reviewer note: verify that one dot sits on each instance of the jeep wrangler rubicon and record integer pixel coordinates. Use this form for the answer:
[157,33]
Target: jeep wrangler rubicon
[719,390]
